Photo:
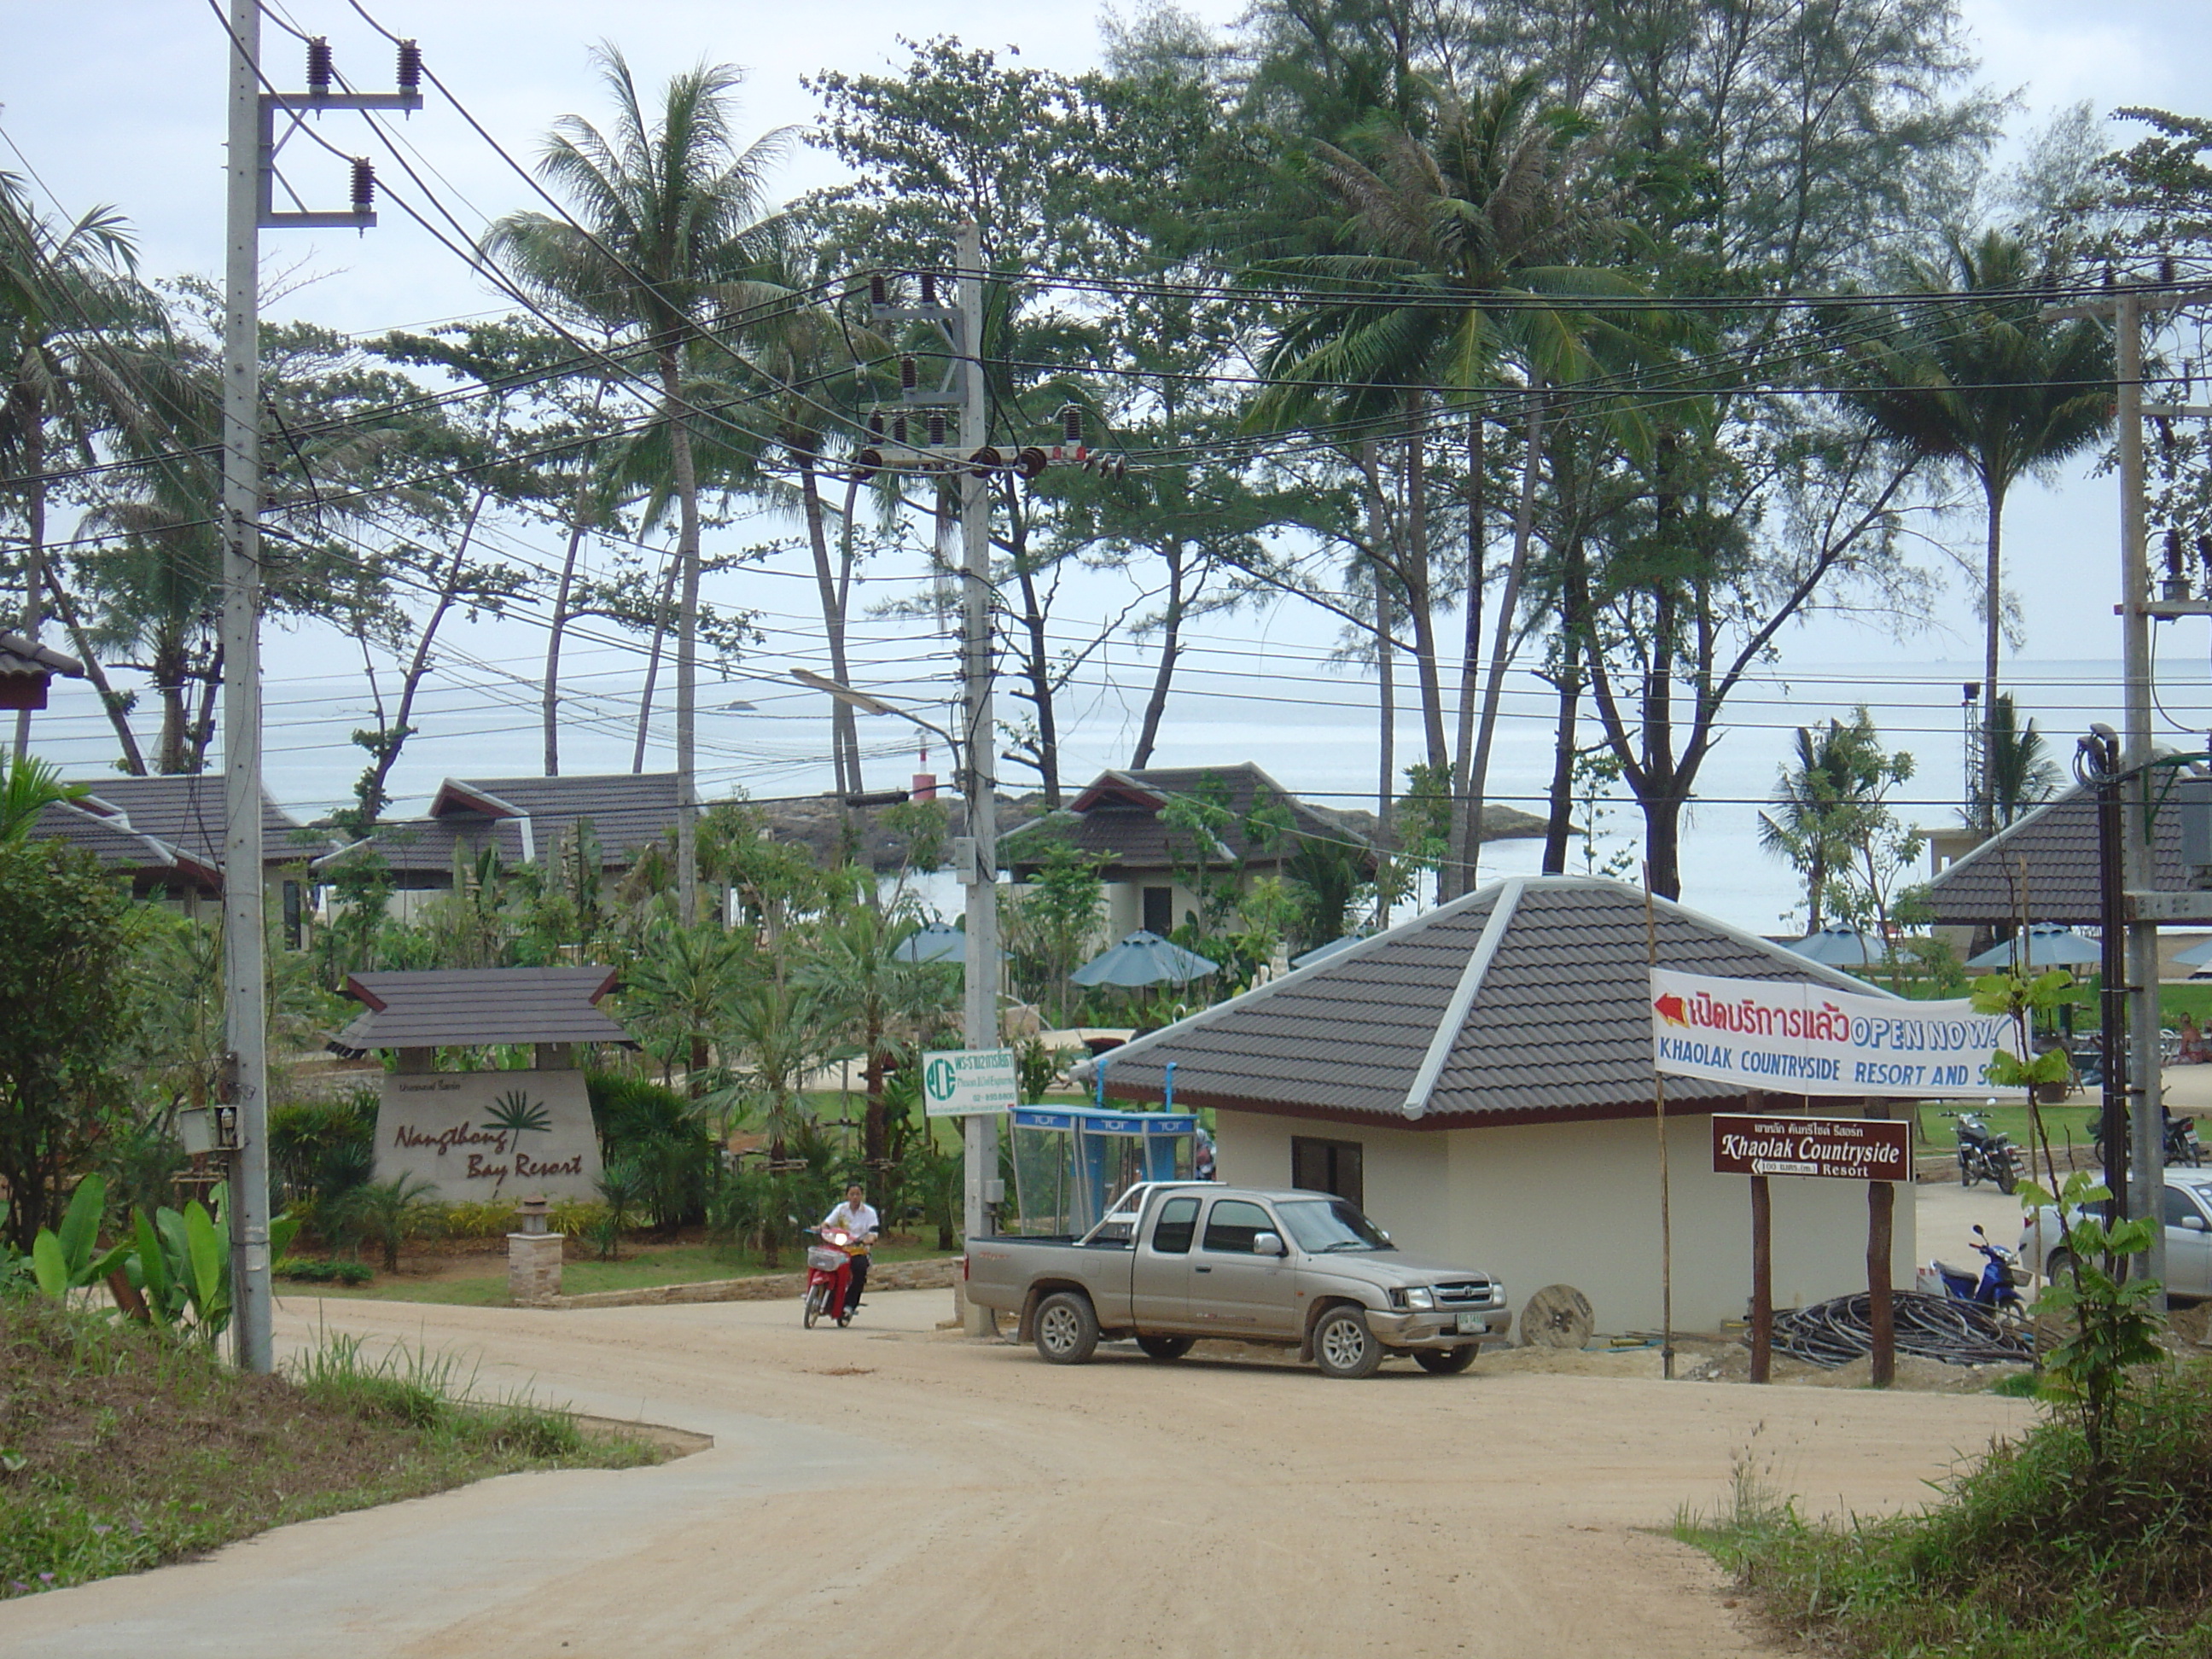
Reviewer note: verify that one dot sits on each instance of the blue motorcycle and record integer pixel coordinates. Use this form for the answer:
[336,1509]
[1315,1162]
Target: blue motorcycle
[1998,1286]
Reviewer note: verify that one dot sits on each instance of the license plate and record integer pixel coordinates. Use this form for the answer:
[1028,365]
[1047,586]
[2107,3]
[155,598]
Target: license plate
[1473,1324]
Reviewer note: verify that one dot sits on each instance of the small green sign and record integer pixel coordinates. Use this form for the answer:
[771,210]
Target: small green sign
[969,1082]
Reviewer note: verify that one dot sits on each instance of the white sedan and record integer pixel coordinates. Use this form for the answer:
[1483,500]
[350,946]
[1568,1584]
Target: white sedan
[2187,1202]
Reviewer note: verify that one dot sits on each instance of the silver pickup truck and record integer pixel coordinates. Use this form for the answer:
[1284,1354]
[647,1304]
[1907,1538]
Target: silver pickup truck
[1175,1262]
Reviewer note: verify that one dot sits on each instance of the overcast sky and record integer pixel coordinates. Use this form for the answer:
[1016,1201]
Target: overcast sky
[122,101]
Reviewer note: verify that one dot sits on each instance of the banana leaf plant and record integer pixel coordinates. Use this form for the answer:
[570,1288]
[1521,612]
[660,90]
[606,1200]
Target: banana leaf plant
[70,1259]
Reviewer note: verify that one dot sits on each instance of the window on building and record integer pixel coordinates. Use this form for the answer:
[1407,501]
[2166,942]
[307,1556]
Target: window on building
[1328,1166]
[1159,910]
[1233,1223]
[1178,1221]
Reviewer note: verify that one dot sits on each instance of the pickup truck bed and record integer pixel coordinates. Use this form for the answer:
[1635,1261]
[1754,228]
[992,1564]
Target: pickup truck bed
[1178,1261]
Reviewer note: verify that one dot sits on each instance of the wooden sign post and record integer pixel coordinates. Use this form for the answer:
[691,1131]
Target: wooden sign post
[1874,1150]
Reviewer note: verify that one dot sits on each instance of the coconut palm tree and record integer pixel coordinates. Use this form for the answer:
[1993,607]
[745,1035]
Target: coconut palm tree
[1822,804]
[1977,379]
[2025,775]
[667,235]
[1475,221]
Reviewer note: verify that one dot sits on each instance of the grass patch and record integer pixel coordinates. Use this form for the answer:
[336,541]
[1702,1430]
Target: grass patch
[122,1448]
[480,1281]
[2018,1557]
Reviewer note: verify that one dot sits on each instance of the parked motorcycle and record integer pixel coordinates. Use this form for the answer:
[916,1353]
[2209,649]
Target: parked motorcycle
[2182,1145]
[1986,1154]
[1997,1287]
[829,1273]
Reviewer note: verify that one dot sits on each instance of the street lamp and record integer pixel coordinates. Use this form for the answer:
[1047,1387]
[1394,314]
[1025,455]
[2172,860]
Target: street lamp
[977,862]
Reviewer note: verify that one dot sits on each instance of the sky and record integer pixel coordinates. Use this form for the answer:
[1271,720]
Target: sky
[122,101]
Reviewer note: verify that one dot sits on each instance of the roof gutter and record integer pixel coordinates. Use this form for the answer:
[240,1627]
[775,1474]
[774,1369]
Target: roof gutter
[1448,1024]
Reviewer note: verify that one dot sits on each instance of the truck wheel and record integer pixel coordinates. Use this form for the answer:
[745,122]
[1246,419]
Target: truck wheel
[1445,1362]
[1067,1329]
[1166,1347]
[1344,1346]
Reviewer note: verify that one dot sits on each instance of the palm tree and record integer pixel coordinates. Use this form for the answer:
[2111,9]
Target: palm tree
[1978,379]
[677,990]
[879,998]
[1823,802]
[2024,775]
[668,232]
[1476,221]
[28,786]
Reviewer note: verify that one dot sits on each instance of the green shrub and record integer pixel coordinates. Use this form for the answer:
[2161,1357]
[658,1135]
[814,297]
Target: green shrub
[307,1269]
[2025,1554]
[488,1218]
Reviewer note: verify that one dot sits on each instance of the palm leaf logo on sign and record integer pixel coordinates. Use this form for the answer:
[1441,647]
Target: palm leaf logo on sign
[517,1113]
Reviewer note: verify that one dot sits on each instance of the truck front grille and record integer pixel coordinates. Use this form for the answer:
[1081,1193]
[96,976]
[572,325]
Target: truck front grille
[1465,1293]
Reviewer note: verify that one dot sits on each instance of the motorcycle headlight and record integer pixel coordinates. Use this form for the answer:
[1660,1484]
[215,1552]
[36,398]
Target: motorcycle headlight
[1421,1297]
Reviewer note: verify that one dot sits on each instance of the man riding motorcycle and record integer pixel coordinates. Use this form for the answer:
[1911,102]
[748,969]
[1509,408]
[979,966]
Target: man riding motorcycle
[857,1217]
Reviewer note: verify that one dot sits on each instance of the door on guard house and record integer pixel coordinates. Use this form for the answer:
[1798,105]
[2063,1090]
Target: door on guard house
[1329,1166]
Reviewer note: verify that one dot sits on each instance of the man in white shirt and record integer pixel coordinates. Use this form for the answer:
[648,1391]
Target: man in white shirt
[857,1217]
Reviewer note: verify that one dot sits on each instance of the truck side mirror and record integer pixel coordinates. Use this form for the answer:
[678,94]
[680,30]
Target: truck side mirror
[1268,1245]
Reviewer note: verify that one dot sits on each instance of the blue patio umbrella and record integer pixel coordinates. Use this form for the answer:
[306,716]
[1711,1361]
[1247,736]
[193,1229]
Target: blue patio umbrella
[1144,959]
[2047,945]
[1839,946]
[935,941]
[2196,956]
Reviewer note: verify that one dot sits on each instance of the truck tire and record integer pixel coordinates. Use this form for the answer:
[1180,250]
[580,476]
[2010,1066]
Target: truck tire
[1343,1346]
[1166,1347]
[1445,1362]
[1067,1329]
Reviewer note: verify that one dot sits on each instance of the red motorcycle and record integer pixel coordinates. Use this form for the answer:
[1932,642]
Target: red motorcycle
[829,1273]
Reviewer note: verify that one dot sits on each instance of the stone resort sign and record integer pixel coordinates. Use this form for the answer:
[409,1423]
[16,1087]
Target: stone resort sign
[479,1136]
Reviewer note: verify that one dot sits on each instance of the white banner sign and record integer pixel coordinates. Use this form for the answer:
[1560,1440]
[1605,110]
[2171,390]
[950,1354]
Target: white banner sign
[969,1082]
[1798,1039]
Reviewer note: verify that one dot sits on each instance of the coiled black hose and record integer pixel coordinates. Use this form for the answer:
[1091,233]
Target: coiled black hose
[1835,1333]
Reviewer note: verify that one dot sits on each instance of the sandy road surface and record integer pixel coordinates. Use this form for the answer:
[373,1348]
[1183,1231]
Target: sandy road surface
[923,1494]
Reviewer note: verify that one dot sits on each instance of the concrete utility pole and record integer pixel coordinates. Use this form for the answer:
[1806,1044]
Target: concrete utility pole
[252,158]
[976,667]
[245,1075]
[2137,863]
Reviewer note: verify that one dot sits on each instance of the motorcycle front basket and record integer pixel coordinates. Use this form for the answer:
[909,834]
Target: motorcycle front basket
[824,1260]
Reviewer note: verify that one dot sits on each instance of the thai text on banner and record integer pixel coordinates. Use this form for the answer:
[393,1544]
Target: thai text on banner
[1792,1038]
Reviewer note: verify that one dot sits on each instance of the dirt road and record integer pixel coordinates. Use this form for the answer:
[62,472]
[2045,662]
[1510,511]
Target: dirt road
[891,1487]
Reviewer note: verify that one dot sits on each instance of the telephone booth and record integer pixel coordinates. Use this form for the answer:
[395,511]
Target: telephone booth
[1071,1162]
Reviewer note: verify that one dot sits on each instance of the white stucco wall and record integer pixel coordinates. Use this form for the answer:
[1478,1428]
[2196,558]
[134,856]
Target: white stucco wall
[1578,1204]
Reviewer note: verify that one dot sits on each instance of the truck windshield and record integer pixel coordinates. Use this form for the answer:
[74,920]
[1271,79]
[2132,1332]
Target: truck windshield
[1324,1225]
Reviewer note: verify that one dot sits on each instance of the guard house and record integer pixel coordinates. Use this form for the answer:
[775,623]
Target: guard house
[486,1134]
[1480,1080]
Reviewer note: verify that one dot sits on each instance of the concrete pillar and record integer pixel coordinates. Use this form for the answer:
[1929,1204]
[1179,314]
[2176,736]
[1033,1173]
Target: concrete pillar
[533,1267]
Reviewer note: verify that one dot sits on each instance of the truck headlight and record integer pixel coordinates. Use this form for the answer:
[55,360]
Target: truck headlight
[1421,1297]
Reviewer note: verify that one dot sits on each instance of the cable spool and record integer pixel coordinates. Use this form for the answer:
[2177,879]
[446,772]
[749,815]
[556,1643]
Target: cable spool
[1556,1316]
